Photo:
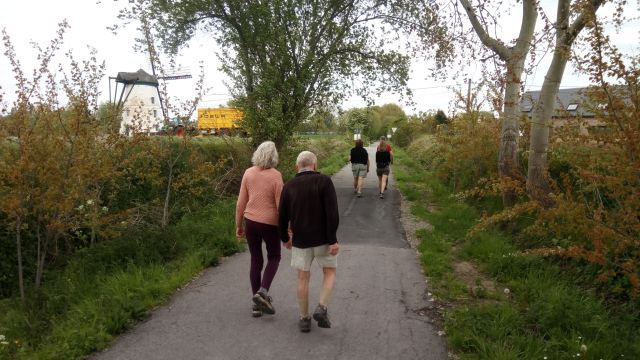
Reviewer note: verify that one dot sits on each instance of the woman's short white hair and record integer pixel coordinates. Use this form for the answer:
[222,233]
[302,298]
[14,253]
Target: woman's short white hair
[265,156]
[306,159]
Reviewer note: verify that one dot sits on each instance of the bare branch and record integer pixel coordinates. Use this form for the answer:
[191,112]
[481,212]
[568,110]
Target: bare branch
[497,46]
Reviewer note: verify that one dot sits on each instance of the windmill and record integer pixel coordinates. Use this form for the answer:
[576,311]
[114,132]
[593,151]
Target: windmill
[139,99]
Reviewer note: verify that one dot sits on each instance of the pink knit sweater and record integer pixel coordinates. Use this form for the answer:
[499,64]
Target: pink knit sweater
[259,196]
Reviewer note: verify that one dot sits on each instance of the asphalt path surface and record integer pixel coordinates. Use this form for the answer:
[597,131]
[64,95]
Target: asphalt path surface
[377,307]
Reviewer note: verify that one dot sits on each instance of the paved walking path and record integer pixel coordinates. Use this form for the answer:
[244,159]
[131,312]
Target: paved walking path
[375,308]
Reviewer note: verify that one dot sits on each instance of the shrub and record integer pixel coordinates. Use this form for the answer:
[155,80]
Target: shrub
[460,154]
[409,131]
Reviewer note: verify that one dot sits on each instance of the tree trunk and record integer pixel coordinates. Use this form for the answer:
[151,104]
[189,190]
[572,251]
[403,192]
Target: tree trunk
[167,198]
[39,255]
[42,255]
[508,155]
[514,58]
[19,253]
[537,183]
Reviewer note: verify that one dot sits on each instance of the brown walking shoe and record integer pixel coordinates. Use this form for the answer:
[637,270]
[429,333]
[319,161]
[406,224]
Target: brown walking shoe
[304,324]
[264,303]
[322,317]
[255,311]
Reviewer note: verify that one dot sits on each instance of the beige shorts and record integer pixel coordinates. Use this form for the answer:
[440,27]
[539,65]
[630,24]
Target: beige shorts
[359,170]
[301,259]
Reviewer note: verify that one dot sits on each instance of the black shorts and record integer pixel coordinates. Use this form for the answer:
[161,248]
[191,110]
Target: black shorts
[383,171]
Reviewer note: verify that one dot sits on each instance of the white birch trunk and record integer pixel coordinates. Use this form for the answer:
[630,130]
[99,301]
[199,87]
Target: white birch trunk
[537,182]
[514,57]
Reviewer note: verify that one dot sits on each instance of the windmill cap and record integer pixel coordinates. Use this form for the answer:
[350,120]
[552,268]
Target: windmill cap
[138,77]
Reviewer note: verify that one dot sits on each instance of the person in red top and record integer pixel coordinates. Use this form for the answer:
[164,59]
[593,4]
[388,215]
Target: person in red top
[257,205]
[384,143]
[384,159]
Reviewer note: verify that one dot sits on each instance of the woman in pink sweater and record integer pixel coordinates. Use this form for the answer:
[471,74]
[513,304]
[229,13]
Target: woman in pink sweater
[257,205]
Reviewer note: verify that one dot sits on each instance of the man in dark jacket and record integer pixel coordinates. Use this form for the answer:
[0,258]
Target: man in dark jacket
[309,210]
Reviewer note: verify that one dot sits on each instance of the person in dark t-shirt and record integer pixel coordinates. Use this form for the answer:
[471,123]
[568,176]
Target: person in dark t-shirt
[359,166]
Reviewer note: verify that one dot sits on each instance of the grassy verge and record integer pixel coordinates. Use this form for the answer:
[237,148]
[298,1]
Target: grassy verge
[545,313]
[106,289]
[332,153]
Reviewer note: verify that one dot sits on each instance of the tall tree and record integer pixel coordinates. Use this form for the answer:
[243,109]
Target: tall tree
[385,117]
[356,120]
[571,19]
[321,119]
[513,58]
[286,56]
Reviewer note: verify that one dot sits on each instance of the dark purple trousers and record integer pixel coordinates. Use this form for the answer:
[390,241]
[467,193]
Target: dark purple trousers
[256,232]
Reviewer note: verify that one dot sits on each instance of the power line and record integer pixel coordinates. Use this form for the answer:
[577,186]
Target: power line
[435,87]
[417,88]
[561,86]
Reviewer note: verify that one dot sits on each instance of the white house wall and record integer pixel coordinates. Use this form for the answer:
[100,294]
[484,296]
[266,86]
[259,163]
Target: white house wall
[141,112]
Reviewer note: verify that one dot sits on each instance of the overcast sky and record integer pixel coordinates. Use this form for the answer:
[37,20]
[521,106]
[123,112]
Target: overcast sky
[36,20]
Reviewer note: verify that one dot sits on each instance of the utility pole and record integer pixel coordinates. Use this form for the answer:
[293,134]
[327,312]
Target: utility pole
[469,103]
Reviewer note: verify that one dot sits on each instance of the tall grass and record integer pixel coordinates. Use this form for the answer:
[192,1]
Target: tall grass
[332,153]
[547,310]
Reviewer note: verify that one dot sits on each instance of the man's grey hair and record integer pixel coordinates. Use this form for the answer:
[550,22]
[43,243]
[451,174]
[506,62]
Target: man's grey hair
[265,156]
[306,159]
